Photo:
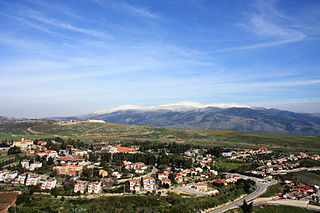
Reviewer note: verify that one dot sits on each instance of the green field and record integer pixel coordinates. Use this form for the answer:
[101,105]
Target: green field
[227,165]
[273,190]
[120,132]
[305,177]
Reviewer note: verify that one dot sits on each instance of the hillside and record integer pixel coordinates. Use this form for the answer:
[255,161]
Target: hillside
[7,119]
[109,132]
[260,120]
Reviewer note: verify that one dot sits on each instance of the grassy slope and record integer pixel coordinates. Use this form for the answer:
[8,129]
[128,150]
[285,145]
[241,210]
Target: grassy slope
[273,190]
[116,132]
[305,177]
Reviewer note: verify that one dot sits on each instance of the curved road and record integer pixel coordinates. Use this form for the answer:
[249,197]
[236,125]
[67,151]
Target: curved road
[294,203]
[261,185]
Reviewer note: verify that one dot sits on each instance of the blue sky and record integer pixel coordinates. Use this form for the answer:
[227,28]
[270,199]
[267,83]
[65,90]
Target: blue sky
[78,56]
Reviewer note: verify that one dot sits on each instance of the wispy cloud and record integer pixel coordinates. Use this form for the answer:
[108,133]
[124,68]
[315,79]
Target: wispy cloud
[269,24]
[260,45]
[137,10]
[57,8]
[128,8]
[66,26]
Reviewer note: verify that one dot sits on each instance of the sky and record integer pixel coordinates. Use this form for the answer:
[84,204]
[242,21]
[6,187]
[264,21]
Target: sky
[63,58]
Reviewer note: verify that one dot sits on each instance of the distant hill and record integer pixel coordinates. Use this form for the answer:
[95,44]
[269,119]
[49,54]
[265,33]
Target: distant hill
[228,117]
[7,119]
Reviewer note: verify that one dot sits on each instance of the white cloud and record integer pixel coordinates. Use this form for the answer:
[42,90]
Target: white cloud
[270,25]
[67,26]
[128,8]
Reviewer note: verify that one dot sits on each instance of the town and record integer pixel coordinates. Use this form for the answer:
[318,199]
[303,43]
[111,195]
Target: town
[63,168]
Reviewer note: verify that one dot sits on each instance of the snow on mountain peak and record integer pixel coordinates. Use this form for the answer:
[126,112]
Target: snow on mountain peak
[181,106]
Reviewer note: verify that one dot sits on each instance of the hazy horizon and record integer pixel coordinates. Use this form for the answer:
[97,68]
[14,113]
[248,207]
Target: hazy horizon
[66,58]
[35,115]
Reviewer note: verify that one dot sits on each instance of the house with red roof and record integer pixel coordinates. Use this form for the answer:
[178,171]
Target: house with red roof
[117,149]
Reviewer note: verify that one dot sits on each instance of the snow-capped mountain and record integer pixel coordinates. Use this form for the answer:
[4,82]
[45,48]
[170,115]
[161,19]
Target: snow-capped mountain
[181,106]
[211,116]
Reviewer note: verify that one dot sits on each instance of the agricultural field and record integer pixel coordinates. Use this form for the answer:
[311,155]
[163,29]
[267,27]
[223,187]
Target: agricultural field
[100,132]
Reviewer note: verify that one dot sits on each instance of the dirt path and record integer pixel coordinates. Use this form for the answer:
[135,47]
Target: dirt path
[7,199]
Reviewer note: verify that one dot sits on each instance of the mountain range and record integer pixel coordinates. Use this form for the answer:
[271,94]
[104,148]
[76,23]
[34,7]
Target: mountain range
[189,115]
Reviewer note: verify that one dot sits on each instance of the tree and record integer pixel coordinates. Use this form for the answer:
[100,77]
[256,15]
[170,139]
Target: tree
[54,192]
[50,161]
[247,208]
[14,150]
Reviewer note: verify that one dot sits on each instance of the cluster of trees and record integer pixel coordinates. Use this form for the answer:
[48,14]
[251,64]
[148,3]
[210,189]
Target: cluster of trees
[62,144]
[174,148]
[25,196]
[216,151]
[14,150]
[247,185]
[147,158]
[247,208]
[151,203]
[309,163]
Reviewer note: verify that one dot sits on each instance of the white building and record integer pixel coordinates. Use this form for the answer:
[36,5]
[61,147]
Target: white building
[148,183]
[21,178]
[226,154]
[81,187]
[94,187]
[52,154]
[25,164]
[11,176]
[33,180]
[134,185]
[3,175]
[49,184]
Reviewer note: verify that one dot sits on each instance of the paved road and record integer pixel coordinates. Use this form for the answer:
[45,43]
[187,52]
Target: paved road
[294,203]
[261,185]
[154,171]
[295,170]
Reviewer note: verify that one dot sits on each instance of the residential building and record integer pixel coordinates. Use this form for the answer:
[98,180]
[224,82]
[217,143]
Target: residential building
[117,149]
[116,174]
[21,178]
[165,180]
[35,165]
[81,187]
[11,176]
[179,179]
[148,183]
[3,175]
[103,173]
[49,184]
[134,185]
[33,180]
[226,154]
[94,187]
[202,187]
[52,154]
[72,170]
[41,154]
